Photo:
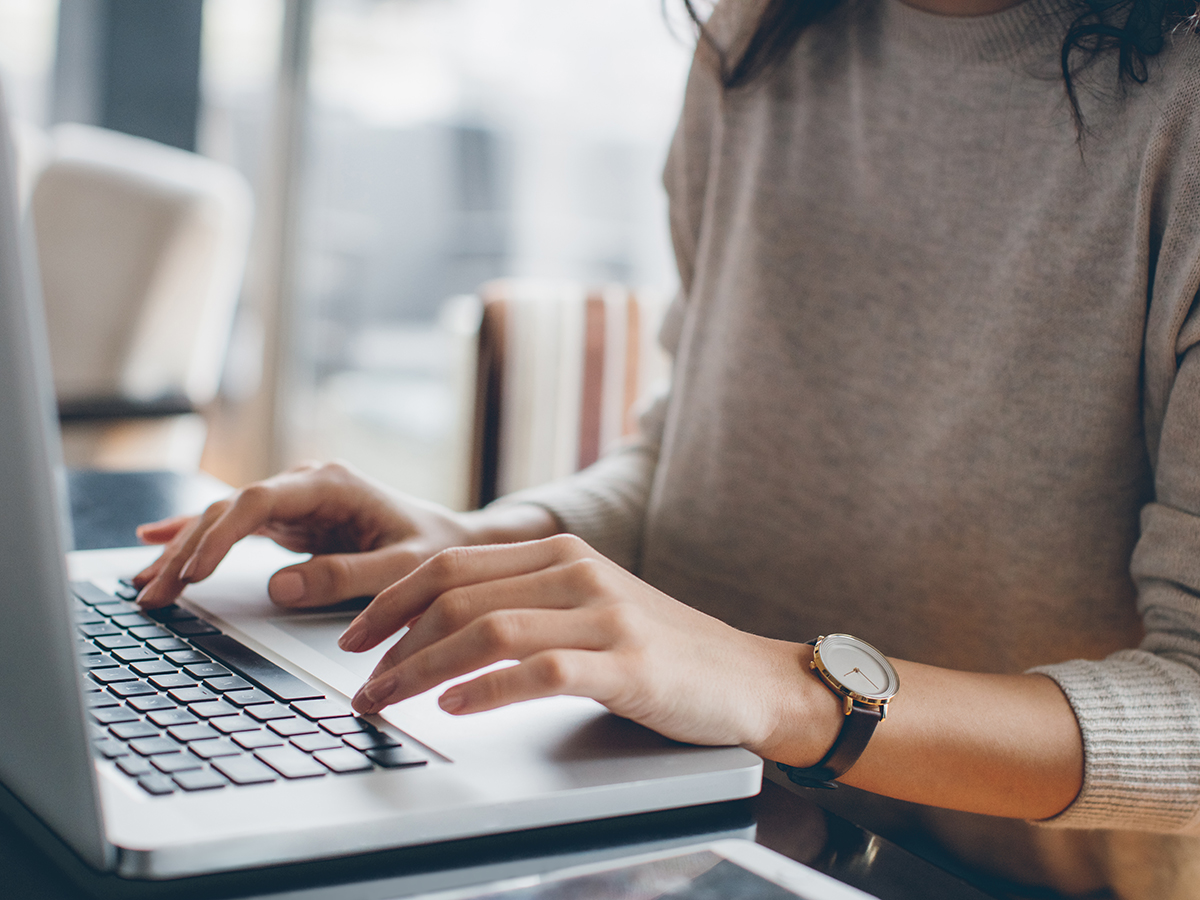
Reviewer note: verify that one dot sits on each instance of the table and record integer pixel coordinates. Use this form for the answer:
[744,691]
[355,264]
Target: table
[785,818]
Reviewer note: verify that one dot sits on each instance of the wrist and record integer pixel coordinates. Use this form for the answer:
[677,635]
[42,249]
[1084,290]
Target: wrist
[508,523]
[806,717]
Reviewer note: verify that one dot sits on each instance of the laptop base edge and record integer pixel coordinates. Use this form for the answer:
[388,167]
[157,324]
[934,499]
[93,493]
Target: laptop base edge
[669,826]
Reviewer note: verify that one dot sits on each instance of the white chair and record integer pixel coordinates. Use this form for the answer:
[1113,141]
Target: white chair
[142,250]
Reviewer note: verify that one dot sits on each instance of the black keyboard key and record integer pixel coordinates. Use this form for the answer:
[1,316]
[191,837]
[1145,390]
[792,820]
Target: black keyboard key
[193,628]
[88,593]
[215,749]
[291,727]
[154,667]
[157,784]
[135,654]
[151,702]
[132,688]
[279,682]
[253,740]
[290,762]
[173,680]
[135,766]
[114,641]
[166,645]
[196,694]
[200,780]
[343,760]
[109,676]
[187,657]
[319,741]
[226,683]
[115,607]
[131,620]
[346,725]
[370,740]
[396,757]
[168,717]
[129,730]
[249,698]
[126,591]
[152,746]
[170,614]
[98,629]
[269,711]
[231,724]
[244,770]
[213,708]
[113,715]
[175,762]
[110,748]
[207,670]
[97,661]
[197,732]
[85,615]
[149,632]
[100,698]
[321,709]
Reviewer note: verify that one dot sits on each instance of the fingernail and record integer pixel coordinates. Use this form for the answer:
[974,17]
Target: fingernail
[354,637]
[360,702]
[287,587]
[369,698]
[452,702]
[188,572]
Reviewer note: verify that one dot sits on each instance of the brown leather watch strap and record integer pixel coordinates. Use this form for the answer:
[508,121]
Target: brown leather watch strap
[851,741]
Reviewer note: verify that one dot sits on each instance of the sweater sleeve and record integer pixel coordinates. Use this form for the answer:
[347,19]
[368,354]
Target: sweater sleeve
[1139,709]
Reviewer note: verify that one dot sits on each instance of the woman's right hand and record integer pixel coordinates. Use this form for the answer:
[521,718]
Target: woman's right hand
[363,536]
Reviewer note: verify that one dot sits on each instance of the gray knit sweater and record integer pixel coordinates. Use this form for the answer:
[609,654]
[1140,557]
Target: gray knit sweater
[935,381]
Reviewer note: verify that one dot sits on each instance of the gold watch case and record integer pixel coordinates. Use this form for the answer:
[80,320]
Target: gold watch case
[856,671]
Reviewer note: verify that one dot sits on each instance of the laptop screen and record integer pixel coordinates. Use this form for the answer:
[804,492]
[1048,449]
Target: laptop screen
[45,758]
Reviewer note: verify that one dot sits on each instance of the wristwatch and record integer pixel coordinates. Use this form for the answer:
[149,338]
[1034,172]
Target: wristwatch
[866,682]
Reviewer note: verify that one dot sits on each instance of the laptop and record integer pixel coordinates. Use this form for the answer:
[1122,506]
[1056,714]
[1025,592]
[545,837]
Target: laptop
[100,711]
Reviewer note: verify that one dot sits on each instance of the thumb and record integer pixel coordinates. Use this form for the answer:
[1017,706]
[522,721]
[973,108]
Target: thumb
[333,577]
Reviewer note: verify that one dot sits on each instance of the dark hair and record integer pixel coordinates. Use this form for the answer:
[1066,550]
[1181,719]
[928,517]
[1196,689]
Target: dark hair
[1135,28]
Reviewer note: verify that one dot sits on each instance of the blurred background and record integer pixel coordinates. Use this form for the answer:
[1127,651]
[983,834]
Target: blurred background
[401,153]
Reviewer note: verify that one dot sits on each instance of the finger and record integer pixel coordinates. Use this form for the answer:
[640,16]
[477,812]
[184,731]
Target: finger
[450,569]
[249,511]
[500,635]
[459,608]
[332,578]
[163,530]
[173,543]
[288,497]
[165,584]
[579,673]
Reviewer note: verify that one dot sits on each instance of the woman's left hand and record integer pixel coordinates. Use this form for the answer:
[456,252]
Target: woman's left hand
[579,624]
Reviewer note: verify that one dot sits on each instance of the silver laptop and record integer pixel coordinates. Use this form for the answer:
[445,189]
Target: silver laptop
[104,756]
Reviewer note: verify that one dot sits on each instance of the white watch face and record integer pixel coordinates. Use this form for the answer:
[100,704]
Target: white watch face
[858,667]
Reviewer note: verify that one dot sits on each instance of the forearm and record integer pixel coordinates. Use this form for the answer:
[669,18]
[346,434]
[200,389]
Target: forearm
[1004,745]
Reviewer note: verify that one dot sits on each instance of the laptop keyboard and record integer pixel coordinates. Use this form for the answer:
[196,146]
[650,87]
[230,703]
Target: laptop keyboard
[179,706]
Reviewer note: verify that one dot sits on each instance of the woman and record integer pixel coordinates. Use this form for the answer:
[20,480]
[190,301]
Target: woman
[934,386]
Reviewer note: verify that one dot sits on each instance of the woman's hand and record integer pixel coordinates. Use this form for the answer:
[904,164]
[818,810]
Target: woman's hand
[363,535]
[579,624]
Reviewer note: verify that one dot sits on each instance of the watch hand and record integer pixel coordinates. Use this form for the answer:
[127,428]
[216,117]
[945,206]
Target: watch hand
[864,675]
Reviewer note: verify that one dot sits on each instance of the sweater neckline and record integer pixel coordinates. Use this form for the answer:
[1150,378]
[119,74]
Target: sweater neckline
[1032,26]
